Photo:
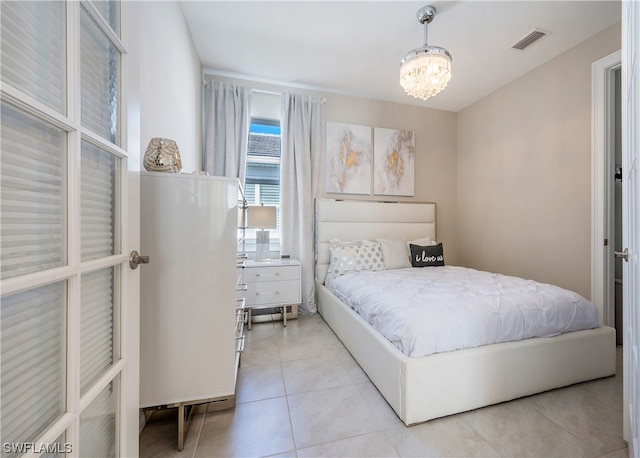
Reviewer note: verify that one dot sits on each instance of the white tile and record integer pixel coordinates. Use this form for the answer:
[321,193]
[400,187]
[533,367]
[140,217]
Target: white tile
[160,435]
[309,346]
[590,420]
[443,437]
[259,382]
[369,445]
[259,332]
[314,374]
[356,374]
[257,353]
[330,415]
[515,429]
[258,428]
[300,383]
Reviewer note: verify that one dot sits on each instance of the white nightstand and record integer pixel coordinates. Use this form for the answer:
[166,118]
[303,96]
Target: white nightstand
[274,284]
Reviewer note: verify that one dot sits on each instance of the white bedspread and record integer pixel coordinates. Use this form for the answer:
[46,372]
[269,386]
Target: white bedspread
[437,309]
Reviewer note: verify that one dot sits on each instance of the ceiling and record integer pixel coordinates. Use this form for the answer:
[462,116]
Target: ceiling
[355,47]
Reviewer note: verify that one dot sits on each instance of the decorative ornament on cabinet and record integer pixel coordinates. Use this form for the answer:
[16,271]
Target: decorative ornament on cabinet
[162,155]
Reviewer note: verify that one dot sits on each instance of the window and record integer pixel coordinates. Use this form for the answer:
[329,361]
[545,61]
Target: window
[262,182]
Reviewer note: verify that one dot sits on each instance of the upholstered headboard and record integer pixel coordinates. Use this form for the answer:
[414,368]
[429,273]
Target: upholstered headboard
[368,220]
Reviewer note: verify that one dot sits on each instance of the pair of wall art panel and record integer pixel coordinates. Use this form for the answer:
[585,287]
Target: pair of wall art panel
[352,166]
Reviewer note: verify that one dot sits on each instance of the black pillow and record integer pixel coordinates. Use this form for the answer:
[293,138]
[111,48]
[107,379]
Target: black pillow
[426,256]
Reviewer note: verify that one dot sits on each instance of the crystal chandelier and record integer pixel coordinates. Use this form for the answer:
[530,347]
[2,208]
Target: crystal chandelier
[425,71]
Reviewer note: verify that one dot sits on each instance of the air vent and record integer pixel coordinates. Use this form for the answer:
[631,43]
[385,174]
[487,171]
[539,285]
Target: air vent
[530,39]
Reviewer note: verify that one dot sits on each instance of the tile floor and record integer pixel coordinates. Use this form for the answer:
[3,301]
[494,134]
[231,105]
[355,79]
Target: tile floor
[300,393]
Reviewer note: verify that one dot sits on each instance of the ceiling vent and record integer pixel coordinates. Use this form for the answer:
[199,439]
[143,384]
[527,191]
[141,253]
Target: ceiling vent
[530,39]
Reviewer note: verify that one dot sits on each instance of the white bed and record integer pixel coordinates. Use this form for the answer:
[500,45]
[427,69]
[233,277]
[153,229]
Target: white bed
[428,387]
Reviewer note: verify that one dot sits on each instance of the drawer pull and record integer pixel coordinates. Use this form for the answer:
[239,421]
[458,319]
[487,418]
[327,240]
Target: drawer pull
[242,287]
[240,344]
[275,293]
[277,274]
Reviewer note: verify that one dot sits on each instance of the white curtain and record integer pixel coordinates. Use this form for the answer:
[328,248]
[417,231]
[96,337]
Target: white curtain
[226,129]
[303,124]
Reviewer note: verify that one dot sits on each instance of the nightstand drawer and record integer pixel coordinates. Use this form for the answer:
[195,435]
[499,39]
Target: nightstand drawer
[273,292]
[260,274]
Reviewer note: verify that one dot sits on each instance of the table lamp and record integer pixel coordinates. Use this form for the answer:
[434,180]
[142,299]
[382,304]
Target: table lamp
[262,217]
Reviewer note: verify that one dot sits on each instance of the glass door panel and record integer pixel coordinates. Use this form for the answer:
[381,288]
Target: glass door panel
[97,326]
[33,47]
[110,12]
[99,76]
[98,424]
[32,194]
[33,354]
[98,202]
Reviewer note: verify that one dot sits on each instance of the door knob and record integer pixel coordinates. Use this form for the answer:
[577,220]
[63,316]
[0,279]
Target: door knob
[622,254]
[135,259]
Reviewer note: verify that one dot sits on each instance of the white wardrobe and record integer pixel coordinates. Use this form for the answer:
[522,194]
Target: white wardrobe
[188,336]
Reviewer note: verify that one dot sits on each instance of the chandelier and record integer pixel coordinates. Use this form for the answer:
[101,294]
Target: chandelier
[425,71]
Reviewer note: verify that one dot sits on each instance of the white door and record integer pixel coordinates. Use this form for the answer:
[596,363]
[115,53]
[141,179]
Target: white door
[69,300]
[631,220]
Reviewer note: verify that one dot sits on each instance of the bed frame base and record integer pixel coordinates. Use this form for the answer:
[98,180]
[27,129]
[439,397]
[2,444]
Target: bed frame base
[421,389]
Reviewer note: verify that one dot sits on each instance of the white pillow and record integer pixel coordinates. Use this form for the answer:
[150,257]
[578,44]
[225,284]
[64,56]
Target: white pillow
[353,256]
[395,253]
[424,241]
[344,255]
[343,260]
[370,256]
[334,243]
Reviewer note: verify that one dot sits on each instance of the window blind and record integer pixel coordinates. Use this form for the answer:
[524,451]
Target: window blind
[99,71]
[33,51]
[32,195]
[96,326]
[270,194]
[98,425]
[33,351]
[97,202]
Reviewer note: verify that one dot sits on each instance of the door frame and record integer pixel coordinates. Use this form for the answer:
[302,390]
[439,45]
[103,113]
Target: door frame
[602,195]
[130,378]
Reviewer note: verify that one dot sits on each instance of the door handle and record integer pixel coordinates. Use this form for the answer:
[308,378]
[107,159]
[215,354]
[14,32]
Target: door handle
[135,259]
[622,254]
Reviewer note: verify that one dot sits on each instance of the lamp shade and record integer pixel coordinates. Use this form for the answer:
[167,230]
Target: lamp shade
[261,217]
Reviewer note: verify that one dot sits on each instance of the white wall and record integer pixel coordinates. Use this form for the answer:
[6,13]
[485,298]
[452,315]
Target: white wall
[171,75]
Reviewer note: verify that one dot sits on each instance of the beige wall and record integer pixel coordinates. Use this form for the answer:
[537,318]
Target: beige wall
[524,172]
[435,145]
[435,162]
[171,75]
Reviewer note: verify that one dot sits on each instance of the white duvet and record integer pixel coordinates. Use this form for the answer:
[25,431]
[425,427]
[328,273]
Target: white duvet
[436,309]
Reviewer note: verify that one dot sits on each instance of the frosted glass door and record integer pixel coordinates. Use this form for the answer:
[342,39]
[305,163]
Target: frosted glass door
[63,167]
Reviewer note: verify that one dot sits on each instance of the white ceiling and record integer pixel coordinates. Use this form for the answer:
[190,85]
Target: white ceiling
[355,47]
